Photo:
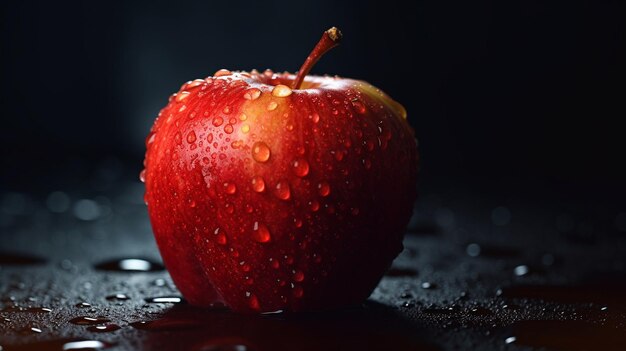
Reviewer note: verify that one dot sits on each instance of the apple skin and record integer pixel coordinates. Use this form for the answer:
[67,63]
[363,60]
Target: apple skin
[265,198]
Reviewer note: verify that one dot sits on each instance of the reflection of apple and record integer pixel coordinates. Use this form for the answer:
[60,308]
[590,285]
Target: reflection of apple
[280,192]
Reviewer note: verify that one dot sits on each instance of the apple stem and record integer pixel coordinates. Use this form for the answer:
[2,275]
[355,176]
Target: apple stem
[329,40]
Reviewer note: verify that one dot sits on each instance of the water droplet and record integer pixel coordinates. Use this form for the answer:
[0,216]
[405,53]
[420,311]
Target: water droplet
[282,190]
[88,320]
[252,94]
[258,184]
[298,292]
[323,189]
[14,309]
[297,222]
[274,263]
[358,106]
[521,270]
[165,299]
[130,265]
[118,297]
[182,96]
[106,328]
[281,91]
[428,285]
[191,137]
[261,233]
[209,137]
[315,117]
[300,167]
[245,128]
[314,205]
[367,163]
[142,175]
[87,210]
[228,129]
[253,302]
[221,239]
[260,152]
[218,121]
[230,188]
[298,276]
[226,110]
[222,72]
[473,250]
[83,305]
[272,106]
[510,340]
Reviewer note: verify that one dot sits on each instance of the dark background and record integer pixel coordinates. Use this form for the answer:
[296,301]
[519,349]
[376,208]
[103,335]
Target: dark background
[518,235]
[503,96]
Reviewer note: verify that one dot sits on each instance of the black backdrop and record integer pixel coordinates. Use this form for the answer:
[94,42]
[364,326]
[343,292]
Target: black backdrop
[503,94]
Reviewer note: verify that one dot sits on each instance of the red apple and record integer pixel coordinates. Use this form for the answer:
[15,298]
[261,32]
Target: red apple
[279,192]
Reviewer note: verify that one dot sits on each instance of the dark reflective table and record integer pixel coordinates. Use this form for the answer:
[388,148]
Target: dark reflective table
[79,269]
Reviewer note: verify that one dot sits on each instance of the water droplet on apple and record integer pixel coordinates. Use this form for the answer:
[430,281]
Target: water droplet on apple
[297,222]
[260,152]
[298,292]
[182,96]
[281,91]
[217,121]
[298,276]
[195,83]
[191,137]
[300,167]
[226,110]
[142,175]
[258,184]
[253,302]
[367,163]
[150,138]
[178,138]
[358,106]
[220,237]
[260,233]
[245,128]
[252,94]
[244,266]
[230,188]
[323,189]
[209,137]
[228,129]
[272,106]
[243,117]
[314,205]
[274,263]
[315,117]
[282,190]
[222,72]
[339,154]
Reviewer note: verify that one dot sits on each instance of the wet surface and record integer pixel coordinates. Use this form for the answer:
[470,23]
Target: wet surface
[474,275]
